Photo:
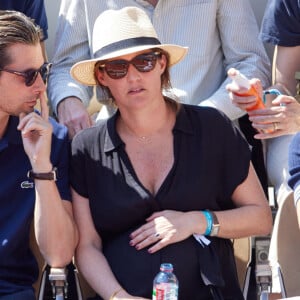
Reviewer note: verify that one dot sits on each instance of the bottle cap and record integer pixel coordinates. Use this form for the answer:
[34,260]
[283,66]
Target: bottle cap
[239,79]
[166,267]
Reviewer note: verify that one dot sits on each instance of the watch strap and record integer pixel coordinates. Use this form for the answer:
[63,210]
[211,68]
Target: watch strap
[43,176]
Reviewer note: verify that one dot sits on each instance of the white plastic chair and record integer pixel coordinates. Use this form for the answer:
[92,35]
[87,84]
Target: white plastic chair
[286,242]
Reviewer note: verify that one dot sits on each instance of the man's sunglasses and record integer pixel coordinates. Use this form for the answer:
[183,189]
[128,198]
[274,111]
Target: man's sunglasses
[31,75]
[118,68]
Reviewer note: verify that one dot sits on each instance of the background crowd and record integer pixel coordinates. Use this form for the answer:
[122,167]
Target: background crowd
[92,66]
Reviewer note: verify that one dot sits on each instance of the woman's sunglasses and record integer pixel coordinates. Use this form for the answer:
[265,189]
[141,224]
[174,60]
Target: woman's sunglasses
[31,75]
[118,68]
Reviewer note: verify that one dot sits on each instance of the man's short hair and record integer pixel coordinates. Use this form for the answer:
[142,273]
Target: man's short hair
[15,27]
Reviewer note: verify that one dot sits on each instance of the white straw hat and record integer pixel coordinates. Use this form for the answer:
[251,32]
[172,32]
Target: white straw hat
[121,32]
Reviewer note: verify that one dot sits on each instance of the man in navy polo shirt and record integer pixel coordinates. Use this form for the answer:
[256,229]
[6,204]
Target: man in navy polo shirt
[33,163]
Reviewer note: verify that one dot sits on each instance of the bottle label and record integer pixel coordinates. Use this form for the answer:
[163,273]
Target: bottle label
[165,291]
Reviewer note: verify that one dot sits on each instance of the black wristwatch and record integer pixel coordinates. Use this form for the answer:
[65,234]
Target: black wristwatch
[52,175]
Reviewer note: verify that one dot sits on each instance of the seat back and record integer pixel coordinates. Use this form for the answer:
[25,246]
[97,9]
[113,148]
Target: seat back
[242,253]
[286,238]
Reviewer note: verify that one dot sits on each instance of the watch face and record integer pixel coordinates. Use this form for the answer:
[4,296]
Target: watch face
[215,226]
[215,230]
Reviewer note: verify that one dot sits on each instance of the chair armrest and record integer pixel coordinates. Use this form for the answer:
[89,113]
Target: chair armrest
[59,283]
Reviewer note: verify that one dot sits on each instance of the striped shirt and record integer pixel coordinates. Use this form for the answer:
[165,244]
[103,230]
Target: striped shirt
[220,34]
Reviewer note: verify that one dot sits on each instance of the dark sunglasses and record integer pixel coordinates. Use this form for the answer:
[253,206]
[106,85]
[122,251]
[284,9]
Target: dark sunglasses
[118,68]
[31,75]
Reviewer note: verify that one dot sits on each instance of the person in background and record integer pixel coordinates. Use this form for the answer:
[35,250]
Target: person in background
[35,9]
[281,27]
[220,35]
[34,163]
[129,196]
[278,123]
[280,120]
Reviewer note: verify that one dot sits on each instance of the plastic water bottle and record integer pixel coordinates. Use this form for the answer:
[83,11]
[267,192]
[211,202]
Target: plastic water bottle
[165,284]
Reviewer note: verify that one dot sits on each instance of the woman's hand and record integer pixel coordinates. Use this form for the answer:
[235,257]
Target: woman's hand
[166,227]
[280,119]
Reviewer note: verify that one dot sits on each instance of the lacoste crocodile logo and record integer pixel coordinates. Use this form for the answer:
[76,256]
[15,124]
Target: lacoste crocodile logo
[27,185]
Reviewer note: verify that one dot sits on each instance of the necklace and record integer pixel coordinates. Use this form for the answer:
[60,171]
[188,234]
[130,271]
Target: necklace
[147,139]
[144,139]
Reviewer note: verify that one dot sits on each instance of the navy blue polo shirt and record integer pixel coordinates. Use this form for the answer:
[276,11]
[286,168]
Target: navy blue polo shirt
[18,267]
[34,9]
[281,23]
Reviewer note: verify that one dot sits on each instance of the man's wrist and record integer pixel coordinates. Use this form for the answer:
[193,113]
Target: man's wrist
[282,88]
[41,166]
[51,175]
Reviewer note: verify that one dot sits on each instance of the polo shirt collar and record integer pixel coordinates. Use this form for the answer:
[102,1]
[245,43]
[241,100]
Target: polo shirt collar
[12,134]
[112,138]
[183,122]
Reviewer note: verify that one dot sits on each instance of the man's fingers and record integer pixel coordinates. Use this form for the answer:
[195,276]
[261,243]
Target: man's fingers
[21,116]
[44,107]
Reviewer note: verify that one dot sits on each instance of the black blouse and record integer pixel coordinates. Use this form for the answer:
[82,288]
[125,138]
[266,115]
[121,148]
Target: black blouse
[211,159]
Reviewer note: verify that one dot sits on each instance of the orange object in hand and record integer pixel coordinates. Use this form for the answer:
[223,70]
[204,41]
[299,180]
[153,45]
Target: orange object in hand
[243,82]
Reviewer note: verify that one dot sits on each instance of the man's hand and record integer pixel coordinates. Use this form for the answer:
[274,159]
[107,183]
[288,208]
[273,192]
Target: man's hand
[244,102]
[36,135]
[73,114]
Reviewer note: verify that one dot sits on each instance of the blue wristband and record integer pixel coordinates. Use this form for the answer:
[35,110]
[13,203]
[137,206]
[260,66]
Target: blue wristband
[209,221]
[270,92]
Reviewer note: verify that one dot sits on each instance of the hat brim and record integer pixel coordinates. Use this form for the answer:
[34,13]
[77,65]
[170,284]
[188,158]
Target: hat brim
[83,71]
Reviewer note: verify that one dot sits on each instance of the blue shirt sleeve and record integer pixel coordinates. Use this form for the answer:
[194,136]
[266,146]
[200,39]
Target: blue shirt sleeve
[281,23]
[34,9]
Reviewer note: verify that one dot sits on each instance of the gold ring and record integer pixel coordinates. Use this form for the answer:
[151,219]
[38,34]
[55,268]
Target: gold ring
[275,124]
